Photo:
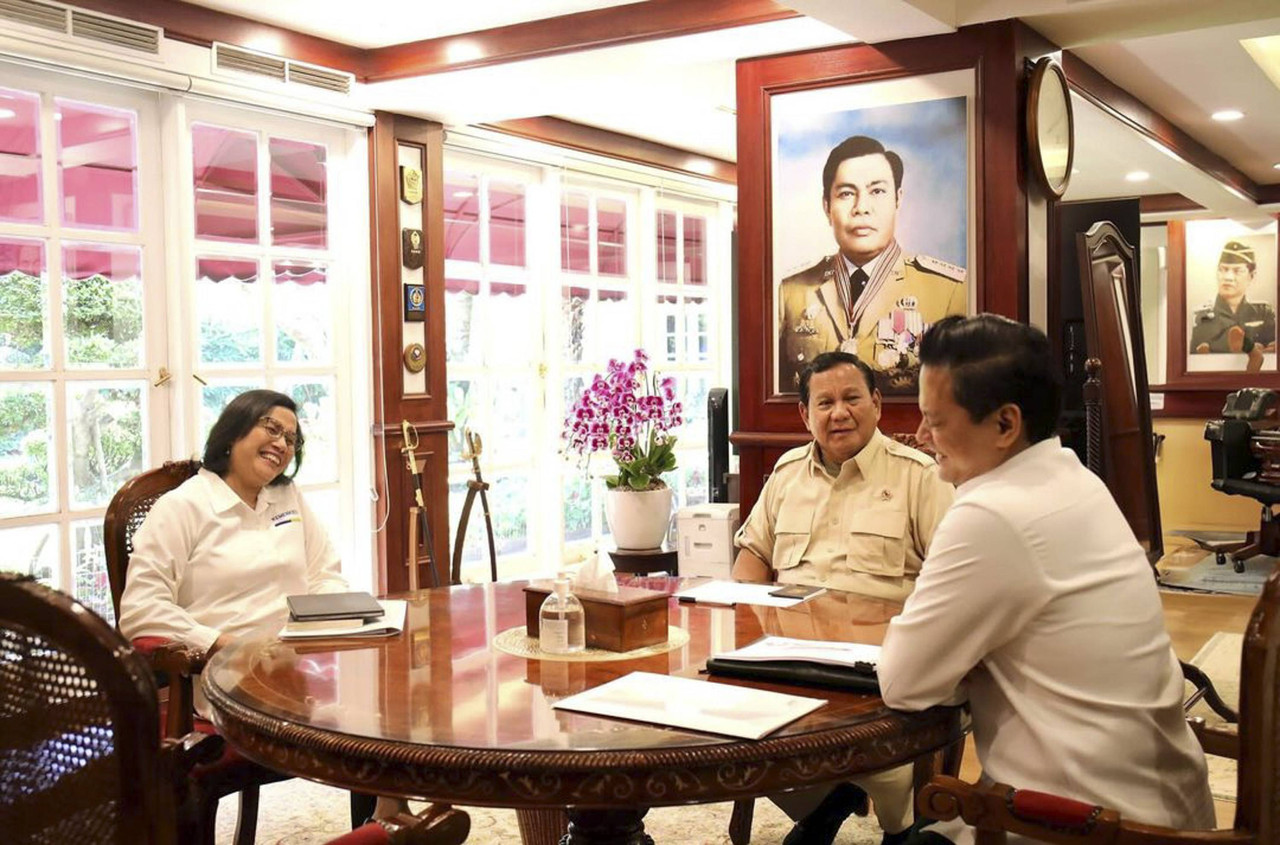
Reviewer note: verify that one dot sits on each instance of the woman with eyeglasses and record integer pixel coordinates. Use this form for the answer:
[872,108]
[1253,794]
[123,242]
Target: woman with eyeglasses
[217,556]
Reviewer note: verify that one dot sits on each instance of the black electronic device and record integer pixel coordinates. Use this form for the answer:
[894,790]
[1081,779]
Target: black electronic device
[718,443]
[1249,403]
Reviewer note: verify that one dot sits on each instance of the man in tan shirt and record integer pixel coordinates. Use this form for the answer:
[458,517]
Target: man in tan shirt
[854,510]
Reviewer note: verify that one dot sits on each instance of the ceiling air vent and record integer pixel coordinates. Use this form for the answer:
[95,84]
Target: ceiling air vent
[132,36]
[319,77]
[32,13]
[246,61]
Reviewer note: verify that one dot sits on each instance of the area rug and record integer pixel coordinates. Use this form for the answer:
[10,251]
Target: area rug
[298,812]
[1219,658]
[1207,576]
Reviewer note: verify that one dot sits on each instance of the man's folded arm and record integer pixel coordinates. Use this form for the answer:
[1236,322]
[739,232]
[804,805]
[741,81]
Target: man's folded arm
[977,588]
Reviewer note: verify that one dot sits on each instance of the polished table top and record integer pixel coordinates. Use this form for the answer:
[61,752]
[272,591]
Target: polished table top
[436,713]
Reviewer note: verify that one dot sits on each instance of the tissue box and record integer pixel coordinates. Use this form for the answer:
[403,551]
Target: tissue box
[630,618]
[704,538]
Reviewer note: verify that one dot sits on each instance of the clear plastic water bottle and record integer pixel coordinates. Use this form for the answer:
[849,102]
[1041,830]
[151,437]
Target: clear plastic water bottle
[561,622]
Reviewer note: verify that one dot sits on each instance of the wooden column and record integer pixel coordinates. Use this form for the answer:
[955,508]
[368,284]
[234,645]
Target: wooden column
[398,394]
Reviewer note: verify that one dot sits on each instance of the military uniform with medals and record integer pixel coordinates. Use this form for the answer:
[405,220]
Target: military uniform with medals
[903,296]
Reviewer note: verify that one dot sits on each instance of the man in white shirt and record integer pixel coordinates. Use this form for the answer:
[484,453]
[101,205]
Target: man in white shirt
[1035,601]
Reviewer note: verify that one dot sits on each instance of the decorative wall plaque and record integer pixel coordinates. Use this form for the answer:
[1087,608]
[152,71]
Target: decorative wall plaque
[411,248]
[415,303]
[415,359]
[410,184]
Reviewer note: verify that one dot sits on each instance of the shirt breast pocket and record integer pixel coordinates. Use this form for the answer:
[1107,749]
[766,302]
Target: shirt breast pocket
[877,542]
[791,536]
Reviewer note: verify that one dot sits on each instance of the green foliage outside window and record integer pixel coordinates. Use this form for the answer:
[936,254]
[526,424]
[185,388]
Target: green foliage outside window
[22,300]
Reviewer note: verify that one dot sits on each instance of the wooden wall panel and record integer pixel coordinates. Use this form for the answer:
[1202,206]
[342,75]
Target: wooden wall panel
[997,53]
[426,412]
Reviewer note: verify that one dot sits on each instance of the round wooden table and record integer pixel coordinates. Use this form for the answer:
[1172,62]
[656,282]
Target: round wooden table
[436,713]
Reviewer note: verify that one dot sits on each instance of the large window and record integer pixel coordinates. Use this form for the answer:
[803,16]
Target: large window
[549,275]
[80,266]
[264,274]
[131,313]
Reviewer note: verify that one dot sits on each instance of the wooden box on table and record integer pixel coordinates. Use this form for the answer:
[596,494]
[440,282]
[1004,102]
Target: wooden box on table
[628,619]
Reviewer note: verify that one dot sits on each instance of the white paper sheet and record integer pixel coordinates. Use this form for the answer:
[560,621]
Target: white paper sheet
[392,622]
[692,704]
[733,592]
[814,651]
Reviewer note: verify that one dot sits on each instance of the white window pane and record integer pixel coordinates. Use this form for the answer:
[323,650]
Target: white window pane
[31,550]
[510,421]
[102,305]
[460,320]
[299,193]
[303,314]
[89,583]
[26,448]
[513,315]
[576,495]
[214,396]
[318,419]
[107,421]
[98,166]
[229,310]
[614,326]
[461,409]
[573,322]
[24,305]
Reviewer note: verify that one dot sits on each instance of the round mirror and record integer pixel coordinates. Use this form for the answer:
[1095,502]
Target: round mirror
[1050,129]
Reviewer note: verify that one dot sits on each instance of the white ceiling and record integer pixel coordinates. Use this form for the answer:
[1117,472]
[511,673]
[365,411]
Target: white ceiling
[1183,58]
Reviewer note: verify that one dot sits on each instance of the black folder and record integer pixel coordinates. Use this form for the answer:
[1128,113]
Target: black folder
[317,607]
[860,678]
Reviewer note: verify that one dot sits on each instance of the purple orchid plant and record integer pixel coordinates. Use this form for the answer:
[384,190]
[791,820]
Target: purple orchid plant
[631,412]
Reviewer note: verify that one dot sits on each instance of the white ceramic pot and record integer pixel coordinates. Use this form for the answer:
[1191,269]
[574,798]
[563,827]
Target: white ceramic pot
[638,520]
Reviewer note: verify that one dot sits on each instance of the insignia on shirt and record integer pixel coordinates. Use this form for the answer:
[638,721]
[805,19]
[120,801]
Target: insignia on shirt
[886,494]
[285,518]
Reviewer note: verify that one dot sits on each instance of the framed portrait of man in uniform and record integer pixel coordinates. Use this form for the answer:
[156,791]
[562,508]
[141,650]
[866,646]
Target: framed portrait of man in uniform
[1231,297]
[871,221]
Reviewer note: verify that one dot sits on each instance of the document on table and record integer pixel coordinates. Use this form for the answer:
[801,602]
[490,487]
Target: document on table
[830,652]
[391,622]
[733,592]
[692,704]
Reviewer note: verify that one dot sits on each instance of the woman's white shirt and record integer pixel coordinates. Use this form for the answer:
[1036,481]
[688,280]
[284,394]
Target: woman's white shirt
[204,563]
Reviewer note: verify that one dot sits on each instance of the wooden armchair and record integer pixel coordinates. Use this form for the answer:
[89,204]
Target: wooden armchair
[996,809]
[173,664]
[81,758]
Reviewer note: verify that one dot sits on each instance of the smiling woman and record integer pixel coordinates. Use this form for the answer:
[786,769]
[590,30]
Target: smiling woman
[216,557]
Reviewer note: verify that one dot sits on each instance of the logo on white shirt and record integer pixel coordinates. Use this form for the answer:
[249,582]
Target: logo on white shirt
[285,518]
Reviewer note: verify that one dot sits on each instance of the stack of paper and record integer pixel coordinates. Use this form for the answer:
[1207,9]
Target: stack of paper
[390,622]
[853,655]
[693,704]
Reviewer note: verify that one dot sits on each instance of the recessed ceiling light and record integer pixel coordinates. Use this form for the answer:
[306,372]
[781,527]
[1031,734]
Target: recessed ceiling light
[1137,176]
[5,114]
[1227,115]
[1276,165]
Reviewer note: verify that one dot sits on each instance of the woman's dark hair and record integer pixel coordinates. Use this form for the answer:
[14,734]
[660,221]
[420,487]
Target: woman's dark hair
[993,362]
[237,420]
[829,360]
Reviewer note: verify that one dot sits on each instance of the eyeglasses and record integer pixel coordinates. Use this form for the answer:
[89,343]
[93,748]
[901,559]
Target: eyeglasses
[272,427]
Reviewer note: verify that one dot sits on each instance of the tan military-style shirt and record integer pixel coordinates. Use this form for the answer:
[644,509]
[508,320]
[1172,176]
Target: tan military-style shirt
[866,530]
[906,294]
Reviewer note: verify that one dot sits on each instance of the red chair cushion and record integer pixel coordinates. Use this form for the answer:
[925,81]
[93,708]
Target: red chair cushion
[370,834]
[1052,810]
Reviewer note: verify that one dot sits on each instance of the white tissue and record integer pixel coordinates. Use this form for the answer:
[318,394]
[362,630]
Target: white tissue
[596,573]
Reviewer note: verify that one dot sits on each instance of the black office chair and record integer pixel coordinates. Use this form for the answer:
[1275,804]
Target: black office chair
[1245,446]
